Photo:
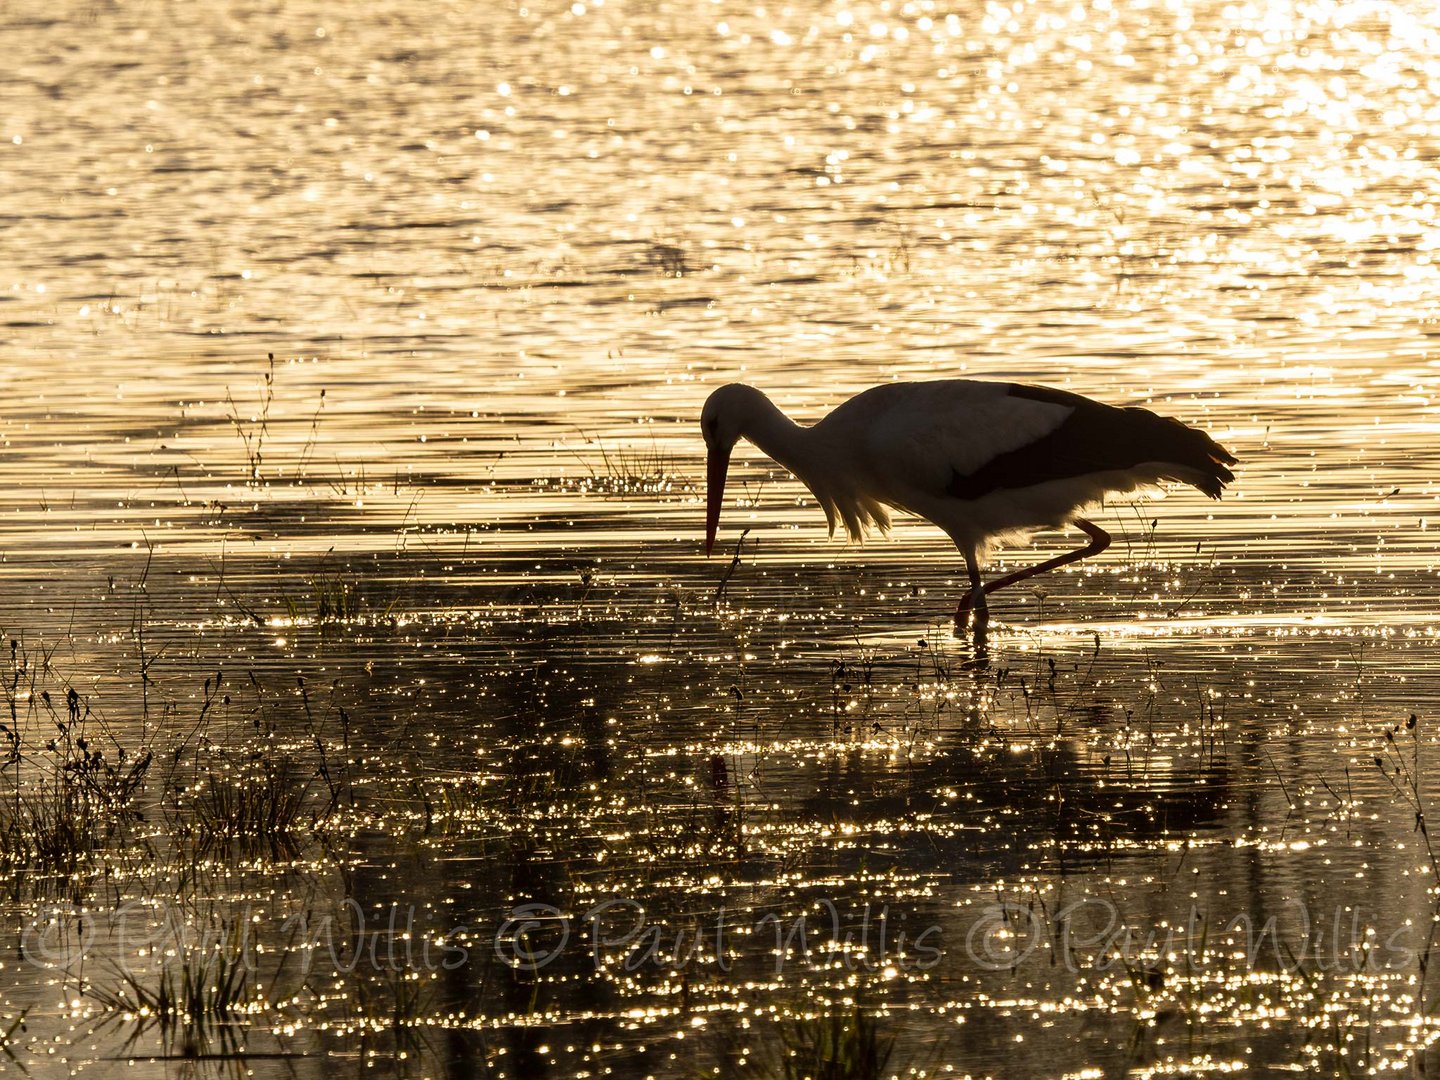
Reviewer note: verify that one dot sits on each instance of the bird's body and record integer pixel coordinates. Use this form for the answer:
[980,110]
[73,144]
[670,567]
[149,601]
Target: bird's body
[982,460]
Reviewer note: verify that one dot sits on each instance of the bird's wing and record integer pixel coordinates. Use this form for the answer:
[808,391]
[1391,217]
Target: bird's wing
[921,436]
[1129,446]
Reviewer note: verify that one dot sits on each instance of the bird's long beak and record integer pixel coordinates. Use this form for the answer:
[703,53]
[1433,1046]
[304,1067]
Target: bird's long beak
[717,464]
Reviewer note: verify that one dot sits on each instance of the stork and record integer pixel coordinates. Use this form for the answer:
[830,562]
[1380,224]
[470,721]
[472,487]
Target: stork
[982,460]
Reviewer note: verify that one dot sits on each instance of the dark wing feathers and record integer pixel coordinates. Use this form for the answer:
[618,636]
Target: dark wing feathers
[1098,438]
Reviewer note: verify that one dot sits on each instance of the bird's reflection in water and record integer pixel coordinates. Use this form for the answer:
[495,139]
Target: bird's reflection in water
[979,642]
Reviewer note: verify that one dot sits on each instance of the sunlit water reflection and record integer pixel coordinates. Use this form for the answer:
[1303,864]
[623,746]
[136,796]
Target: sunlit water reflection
[462,758]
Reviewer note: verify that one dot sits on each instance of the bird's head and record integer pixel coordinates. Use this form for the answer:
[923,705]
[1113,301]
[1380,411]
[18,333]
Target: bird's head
[722,422]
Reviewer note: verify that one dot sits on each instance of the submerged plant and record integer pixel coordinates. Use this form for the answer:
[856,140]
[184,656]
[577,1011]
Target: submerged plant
[1403,772]
[332,598]
[66,793]
[629,470]
[7,1036]
[393,1004]
[196,997]
[256,808]
[835,1045]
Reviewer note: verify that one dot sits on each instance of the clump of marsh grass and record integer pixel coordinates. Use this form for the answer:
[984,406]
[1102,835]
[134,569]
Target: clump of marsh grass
[249,799]
[197,997]
[394,1003]
[62,793]
[668,257]
[836,1044]
[255,806]
[332,598]
[629,470]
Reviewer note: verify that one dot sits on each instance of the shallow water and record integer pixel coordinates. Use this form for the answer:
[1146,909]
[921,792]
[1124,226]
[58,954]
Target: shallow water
[415,625]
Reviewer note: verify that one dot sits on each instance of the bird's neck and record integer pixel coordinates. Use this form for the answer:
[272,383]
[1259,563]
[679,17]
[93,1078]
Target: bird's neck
[781,438]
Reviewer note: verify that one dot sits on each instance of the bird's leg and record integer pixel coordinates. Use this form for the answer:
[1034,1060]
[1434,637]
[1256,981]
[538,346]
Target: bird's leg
[1099,541]
[975,598]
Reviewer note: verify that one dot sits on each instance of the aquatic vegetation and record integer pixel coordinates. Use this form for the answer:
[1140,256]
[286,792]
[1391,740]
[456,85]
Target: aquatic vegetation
[12,1025]
[254,429]
[668,257]
[196,996]
[630,470]
[258,428]
[835,1044]
[391,1010]
[253,805]
[66,785]
[333,597]
[254,796]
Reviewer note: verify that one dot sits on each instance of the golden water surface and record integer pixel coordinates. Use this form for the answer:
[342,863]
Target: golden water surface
[414,623]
